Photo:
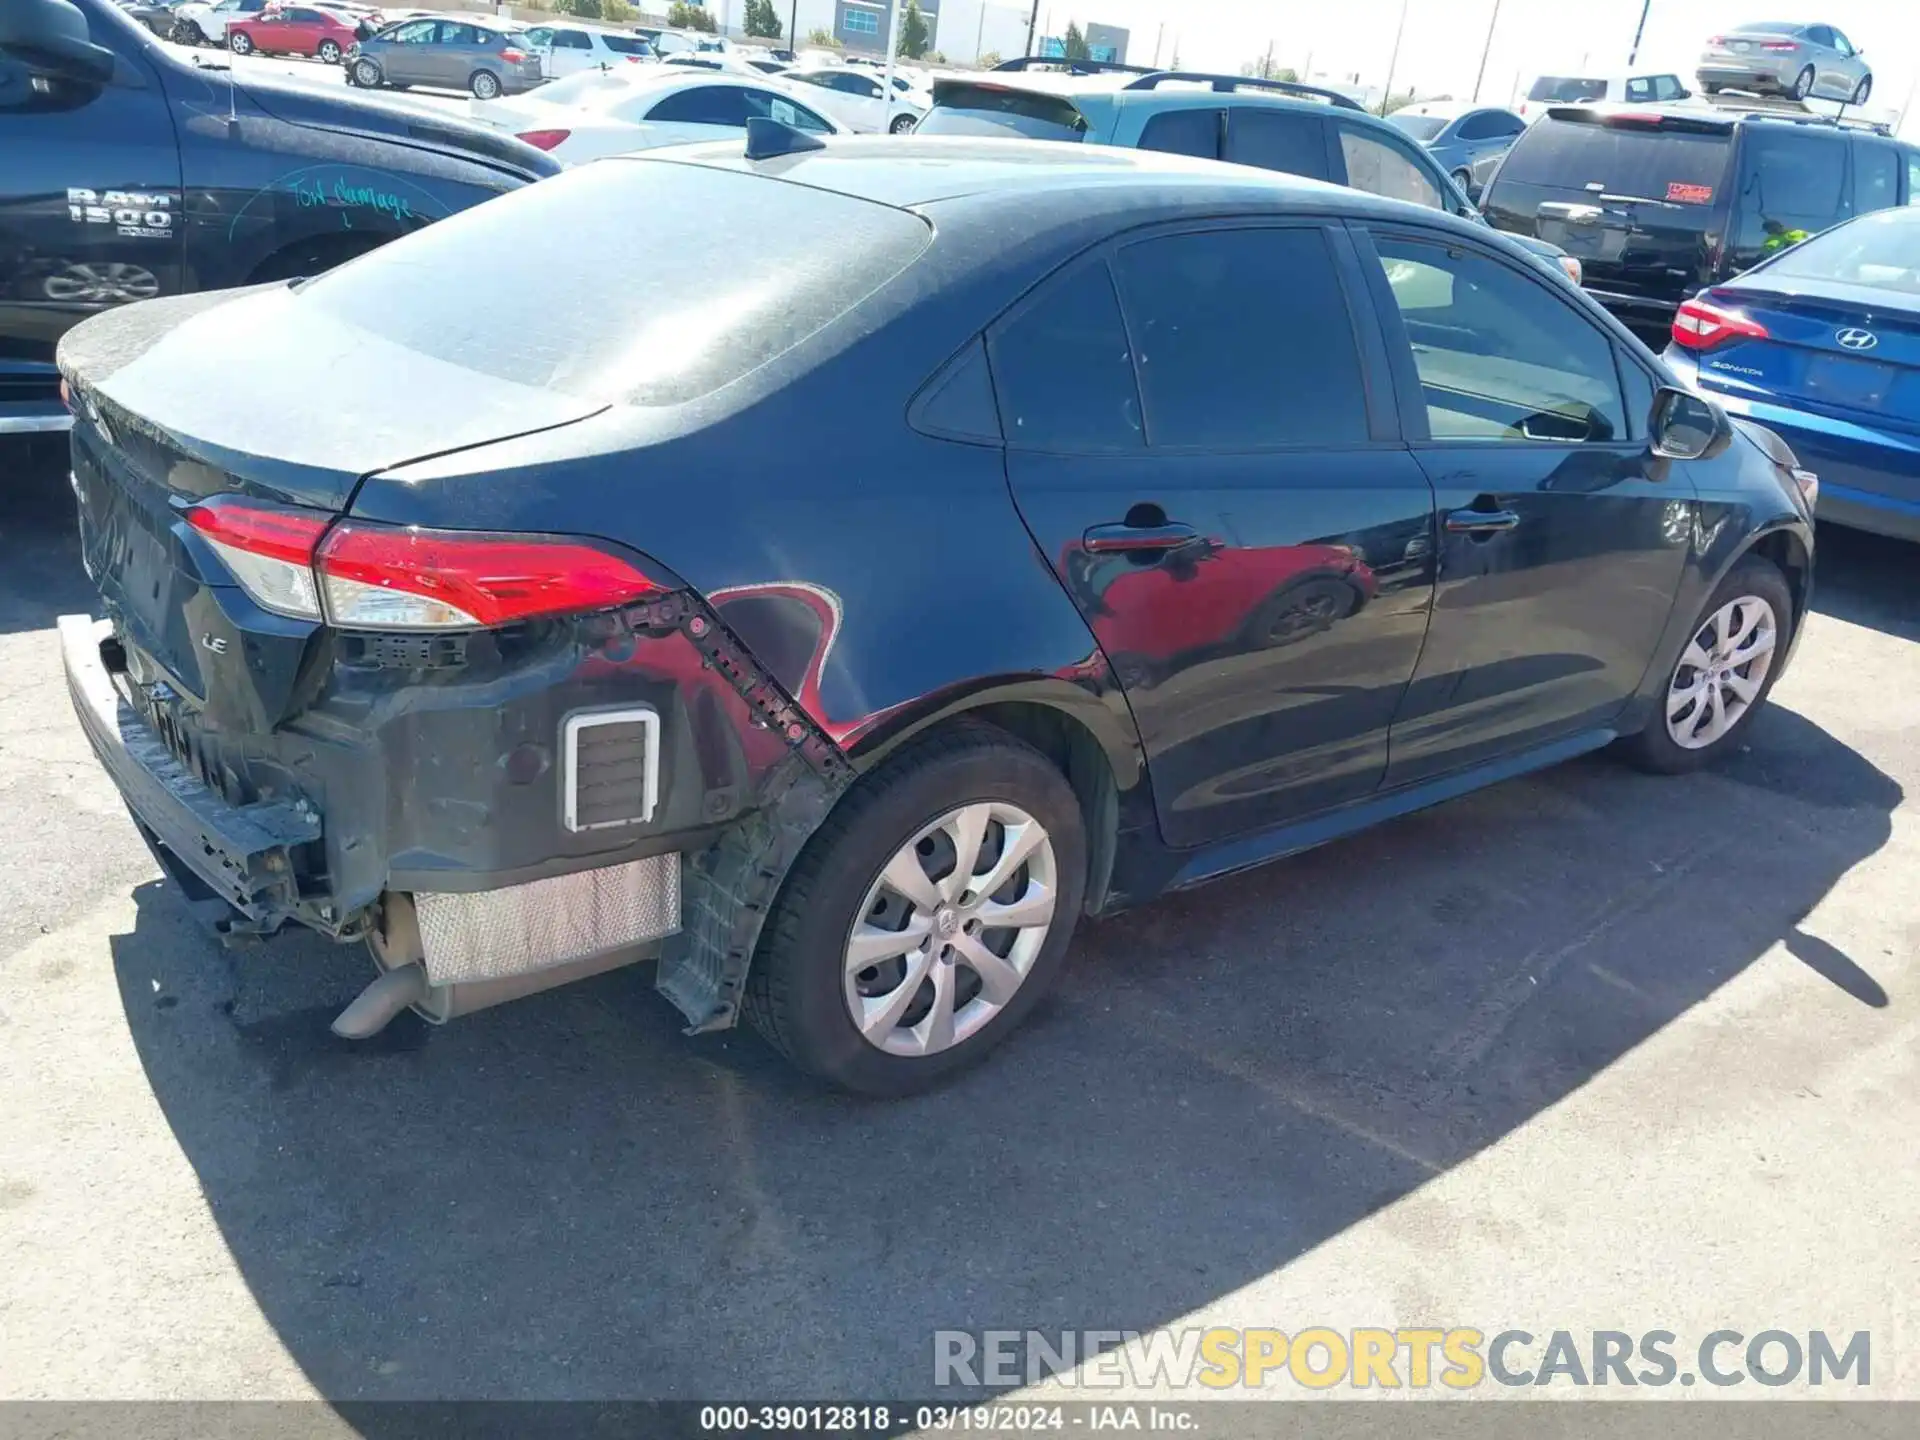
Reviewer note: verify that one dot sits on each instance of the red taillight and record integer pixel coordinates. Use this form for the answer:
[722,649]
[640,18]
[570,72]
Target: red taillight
[1701,325]
[1716,40]
[513,57]
[386,577]
[544,139]
[66,397]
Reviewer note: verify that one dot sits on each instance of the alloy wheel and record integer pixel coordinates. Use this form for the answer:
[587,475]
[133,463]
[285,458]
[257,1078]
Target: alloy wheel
[1721,672]
[485,85]
[329,52]
[950,929]
[366,74]
[100,284]
[1803,85]
[239,43]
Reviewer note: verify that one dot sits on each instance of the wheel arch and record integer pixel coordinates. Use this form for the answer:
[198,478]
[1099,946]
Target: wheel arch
[329,248]
[1791,553]
[1089,737]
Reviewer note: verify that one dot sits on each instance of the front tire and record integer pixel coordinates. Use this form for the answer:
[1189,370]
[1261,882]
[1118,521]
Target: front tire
[365,74]
[485,85]
[1803,83]
[1862,90]
[1724,674]
[925,918]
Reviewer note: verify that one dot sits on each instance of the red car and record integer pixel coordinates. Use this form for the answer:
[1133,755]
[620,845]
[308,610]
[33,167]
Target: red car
[292,30]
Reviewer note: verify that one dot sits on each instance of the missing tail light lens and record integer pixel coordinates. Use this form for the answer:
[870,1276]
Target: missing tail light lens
[544,139]
[1701,325]
[362,576]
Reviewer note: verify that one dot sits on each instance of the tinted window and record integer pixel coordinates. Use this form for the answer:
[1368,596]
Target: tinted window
[960,108]
[627,45]
[1243,340]
[788,112]
[1642,161]
[1567,89]
[1064,373]
[1876,176]
[1184,132]
[1790,187]
[571,40]
[1820,35]
[704,105]
[1501,357]
[1377,168]
[1640,91]
[1277,140]
[1485,126]
[664,334]
[451,34]
[1424,127]
[1667,87]
[1882,249]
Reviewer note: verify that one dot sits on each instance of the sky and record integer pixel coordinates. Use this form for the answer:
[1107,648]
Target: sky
[1441,48]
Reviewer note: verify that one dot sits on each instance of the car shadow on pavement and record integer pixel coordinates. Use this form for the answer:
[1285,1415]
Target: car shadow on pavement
[1869,580]
[39,545]
[566,1198]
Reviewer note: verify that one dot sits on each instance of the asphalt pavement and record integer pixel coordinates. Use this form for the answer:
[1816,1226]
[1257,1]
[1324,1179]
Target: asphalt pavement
[1590,1049]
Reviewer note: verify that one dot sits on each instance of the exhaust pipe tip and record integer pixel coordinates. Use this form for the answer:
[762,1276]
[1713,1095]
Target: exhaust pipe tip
[374,1008]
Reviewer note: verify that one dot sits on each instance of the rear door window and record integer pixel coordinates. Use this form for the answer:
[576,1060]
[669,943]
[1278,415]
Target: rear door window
[1243,340]
[1273,139]
[1063,369]
[705,105]
[1792,185]
[1567,89]
[1482,127]
[1381,169]
[1184,132]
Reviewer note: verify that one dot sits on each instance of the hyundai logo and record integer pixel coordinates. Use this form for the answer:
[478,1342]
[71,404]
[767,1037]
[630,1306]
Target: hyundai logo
[1857,339]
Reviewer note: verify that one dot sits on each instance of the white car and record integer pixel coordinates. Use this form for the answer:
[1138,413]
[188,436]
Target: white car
[854,98]
[612,112]
[210,20]
[1642,89]
[568,49]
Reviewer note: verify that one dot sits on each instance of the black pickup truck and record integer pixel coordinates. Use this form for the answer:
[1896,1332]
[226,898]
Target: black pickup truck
[134,170]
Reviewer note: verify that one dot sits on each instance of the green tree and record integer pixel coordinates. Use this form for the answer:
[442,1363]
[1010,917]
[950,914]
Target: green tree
[1076,43]
[585,9]
[683,16]
[617,11]
[762,20]
[988,60]
[915,38]
[1265,69]
[824,39]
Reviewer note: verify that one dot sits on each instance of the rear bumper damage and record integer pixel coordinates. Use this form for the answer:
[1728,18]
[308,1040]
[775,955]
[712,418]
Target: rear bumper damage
[302,828]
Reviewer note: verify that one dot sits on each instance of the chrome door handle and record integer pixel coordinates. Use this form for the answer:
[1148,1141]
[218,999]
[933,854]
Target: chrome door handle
[1479,522]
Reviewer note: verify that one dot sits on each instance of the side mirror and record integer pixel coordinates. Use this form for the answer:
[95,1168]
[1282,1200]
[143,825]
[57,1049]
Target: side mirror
[1684,94]
[50,37]
[1686,427]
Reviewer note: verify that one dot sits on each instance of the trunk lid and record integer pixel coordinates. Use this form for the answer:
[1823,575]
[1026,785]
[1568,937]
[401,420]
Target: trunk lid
[1851,351]
[179,400]
[1636,196]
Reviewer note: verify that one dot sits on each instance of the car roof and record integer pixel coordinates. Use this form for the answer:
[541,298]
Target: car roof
[1727,119]
[914,170]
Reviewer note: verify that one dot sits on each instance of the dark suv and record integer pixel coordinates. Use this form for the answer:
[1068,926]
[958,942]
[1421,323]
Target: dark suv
[1011,533]
[1659,201]
[128,173]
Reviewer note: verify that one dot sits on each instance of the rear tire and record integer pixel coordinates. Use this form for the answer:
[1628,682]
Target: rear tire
[901,124]
[1685,734]
[239,43]
[484,84]
[910,821]
[329,52]
[1803,83]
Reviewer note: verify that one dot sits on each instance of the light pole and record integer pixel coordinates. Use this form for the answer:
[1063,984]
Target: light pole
[1033,19]
[1394,63]
[893,50]
[793,20]
[1638,31]
[1485,49]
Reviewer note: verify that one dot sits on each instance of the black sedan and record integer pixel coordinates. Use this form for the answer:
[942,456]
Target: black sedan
[1006,533]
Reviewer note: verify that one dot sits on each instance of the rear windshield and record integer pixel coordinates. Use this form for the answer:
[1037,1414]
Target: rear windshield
[1881,250]
[627,44]
[481,290]
[1420,127]
[1567,89]
[1683,167]
[966,109]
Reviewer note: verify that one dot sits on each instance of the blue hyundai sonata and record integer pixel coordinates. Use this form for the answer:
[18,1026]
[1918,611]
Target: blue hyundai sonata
[1822,344]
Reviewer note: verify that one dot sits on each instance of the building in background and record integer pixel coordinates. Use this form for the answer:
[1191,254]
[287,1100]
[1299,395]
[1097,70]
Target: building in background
[1104,42]
[963,30]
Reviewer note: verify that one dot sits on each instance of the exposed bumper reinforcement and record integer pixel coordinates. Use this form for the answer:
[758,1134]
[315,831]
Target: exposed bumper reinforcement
[240,853]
